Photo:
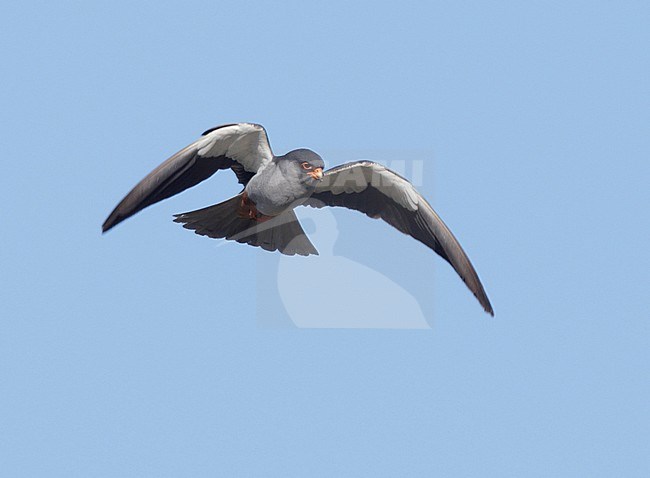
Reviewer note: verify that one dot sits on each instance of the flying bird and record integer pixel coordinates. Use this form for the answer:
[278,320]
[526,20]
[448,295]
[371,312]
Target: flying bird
[262,214]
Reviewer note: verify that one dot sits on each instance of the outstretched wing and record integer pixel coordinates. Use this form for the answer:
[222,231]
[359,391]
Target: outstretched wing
[381,193]
[242,147]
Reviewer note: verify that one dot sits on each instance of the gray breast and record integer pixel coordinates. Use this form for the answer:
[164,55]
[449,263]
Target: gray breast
[274,189]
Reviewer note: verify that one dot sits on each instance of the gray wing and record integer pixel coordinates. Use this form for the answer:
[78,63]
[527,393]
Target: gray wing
[381,193]
[242,147]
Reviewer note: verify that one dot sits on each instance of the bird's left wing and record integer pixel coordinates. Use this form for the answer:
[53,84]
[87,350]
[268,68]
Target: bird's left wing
[242,147]
[381,193]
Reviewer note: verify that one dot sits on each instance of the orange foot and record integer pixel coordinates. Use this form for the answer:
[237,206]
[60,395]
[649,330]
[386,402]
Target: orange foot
[248,210]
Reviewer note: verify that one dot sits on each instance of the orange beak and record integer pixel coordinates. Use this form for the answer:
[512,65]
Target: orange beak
[316,173]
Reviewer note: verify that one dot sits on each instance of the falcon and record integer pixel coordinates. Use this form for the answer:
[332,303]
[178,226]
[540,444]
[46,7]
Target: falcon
[262,214]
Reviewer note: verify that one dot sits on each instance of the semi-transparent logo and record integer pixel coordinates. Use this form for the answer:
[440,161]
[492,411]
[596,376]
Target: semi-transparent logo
[364,274]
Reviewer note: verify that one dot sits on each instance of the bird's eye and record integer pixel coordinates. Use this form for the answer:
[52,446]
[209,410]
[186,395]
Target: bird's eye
[305,165]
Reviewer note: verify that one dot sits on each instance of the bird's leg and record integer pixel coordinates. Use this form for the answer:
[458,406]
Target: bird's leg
[246,207]
[248,210]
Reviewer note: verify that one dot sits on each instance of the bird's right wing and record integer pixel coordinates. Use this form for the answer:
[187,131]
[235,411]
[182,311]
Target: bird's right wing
[380,193]
[242,147]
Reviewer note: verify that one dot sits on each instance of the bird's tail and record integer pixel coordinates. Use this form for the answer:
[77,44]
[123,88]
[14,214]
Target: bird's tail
[224,221]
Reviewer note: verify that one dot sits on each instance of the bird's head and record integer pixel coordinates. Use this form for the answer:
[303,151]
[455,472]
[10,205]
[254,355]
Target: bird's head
[304,164]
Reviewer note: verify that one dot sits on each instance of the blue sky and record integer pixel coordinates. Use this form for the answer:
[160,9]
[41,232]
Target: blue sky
[153,352]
